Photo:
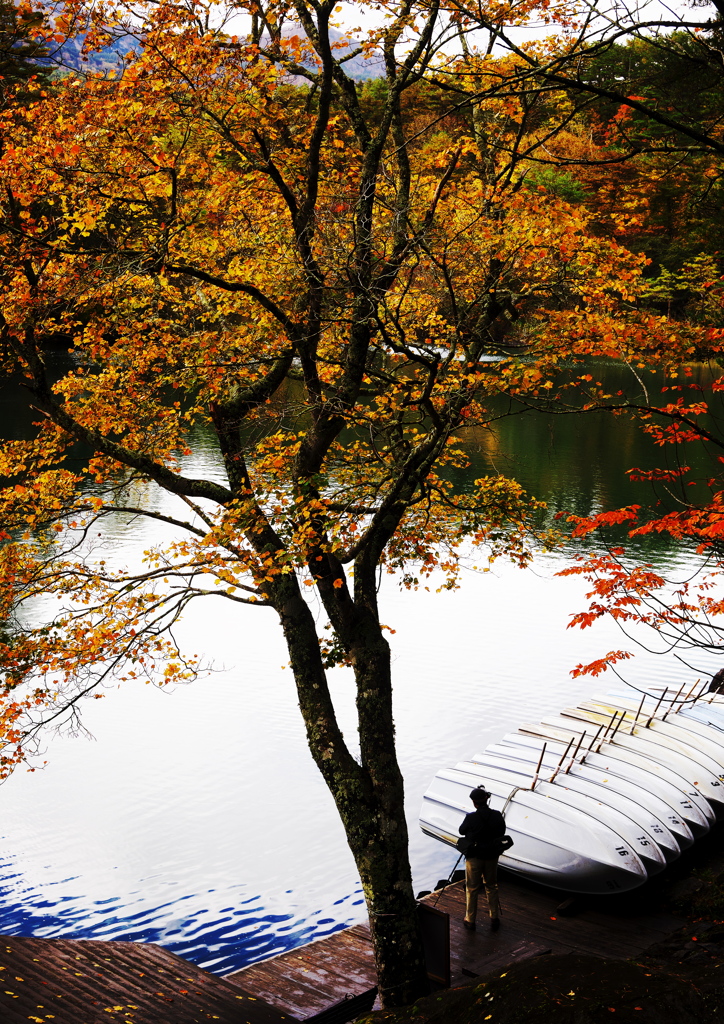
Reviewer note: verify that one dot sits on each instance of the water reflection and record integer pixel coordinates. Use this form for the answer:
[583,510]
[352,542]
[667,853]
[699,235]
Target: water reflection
[197,818]
[191,924]
[579,462]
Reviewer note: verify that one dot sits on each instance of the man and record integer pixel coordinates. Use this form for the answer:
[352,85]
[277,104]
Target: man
[484,826]
[717,682]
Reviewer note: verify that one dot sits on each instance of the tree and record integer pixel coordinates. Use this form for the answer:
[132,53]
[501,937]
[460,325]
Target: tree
[234,236]
[643,93]
[613,90]
[584,61]
[682,615]
[22,46]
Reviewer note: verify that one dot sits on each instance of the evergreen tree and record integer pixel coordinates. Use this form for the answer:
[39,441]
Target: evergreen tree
[23,54]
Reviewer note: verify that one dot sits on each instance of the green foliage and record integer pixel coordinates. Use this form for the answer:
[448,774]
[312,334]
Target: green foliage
[20,49]
[678,76]
[556,182]
[674,171]
[695,292]
[374,90]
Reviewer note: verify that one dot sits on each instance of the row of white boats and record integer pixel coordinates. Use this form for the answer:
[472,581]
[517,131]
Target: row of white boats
[601,796]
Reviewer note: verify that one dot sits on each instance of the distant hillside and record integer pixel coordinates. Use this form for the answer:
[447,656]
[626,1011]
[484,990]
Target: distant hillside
[69,55]
[359,67]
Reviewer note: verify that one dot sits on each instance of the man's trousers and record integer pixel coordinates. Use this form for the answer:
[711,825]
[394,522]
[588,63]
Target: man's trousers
[477,871]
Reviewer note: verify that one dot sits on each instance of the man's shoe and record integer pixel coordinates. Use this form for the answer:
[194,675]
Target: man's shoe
[469,925]
[494,924]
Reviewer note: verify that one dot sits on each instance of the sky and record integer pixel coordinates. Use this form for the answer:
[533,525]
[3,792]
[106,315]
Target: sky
[362,18]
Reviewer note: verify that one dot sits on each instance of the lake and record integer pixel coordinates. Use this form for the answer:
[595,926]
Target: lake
[197,819]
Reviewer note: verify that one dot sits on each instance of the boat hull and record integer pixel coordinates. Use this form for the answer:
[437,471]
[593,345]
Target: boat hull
[700,741]
[663,750]
[565,790]
[658,798]
[691,799]
[554,844]
[598,797]
[647,827]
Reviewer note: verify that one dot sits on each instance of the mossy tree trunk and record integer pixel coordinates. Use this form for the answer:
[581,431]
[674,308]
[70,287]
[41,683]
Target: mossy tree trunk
[368,793]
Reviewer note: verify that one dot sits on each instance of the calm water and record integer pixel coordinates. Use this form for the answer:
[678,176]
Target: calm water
[197,818]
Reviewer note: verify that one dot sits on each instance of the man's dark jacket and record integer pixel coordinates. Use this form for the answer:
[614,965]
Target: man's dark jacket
[483,825]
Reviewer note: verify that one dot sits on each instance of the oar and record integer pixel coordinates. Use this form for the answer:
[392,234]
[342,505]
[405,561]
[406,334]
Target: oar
[701,692]
[695,699]
[613,734]
[610,738]
[575,752]
[633,724]
[563,757]
[652,716]
[590,745]
[540,762]
[603,738]
[674,700]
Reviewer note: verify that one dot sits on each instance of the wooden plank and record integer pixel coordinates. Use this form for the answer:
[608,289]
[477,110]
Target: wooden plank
[307,980]
[530,915]
[85,982]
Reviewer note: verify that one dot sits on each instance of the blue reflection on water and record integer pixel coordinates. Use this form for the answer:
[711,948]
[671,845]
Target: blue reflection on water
[219,940]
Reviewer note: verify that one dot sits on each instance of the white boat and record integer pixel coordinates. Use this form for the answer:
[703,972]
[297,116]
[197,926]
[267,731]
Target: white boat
[600,796]
[666,702]
[622,797]
[691,802]
[707,708]
[647,708]
[554,843]
[578,793]
[701,770]
[713,703]
[697,734]
[617,776]
[703,712]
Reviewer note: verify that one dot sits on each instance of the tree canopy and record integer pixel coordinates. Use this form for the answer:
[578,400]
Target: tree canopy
[334,280]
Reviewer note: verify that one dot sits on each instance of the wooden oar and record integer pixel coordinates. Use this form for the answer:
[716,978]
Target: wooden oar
[540,762]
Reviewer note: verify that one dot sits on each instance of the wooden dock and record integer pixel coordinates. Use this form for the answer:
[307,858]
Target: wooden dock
[309,979]
[79,981]
[67,981]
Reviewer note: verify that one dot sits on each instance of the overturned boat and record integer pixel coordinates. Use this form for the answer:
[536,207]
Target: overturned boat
[599,797]
[551,839]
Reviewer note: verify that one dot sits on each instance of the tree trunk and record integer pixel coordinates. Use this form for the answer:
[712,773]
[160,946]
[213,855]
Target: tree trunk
[369,796]
[385,873]
[382,853]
